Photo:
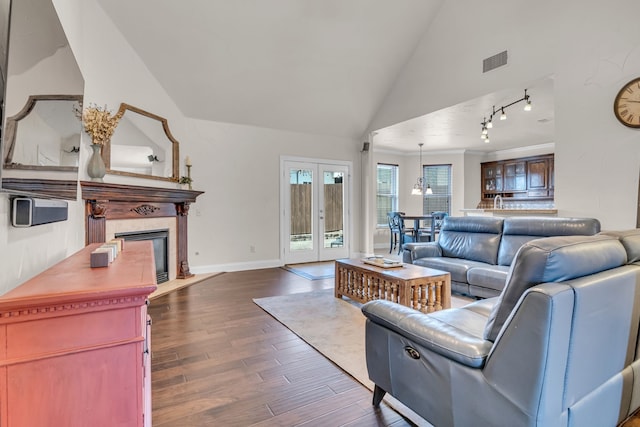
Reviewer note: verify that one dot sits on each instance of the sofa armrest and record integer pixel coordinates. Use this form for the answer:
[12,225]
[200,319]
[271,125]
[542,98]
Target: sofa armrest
[414,251]
[454,334]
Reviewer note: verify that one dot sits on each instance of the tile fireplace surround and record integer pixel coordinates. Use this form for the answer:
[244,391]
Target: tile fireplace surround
[111,203]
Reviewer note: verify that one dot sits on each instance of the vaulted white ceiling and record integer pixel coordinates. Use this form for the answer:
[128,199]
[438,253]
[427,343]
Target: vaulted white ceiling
[314,66]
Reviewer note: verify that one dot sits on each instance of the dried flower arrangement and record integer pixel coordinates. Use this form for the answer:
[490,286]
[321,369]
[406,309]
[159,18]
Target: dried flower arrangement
[99,123]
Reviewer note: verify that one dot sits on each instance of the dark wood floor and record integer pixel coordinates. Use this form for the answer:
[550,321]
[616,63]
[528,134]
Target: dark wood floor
[220,360]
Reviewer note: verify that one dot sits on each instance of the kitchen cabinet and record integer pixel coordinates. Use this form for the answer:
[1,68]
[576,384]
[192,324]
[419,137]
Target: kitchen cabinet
[538,178]
[74,347]
[492,178]
[515,176]
[519,179]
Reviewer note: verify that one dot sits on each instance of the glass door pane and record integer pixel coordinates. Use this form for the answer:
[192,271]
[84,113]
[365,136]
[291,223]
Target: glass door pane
[333,210]
[301,236]
[332,215]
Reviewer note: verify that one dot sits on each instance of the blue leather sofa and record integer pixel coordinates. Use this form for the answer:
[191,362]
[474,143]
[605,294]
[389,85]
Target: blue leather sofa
[558,347]
[478,251]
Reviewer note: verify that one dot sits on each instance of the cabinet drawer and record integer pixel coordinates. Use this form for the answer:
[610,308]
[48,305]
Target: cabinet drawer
[538,193]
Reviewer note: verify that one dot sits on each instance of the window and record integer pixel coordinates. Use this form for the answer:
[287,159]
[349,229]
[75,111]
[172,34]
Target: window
[439,178]
[386,193]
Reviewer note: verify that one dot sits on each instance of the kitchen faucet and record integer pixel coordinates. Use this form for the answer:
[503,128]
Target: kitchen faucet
[495,202]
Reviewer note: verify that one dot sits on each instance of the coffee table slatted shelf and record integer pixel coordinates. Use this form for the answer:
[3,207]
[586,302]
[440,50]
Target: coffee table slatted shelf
[421,288]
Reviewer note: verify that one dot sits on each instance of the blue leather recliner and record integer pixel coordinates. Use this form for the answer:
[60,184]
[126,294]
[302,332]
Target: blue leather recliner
[558,347]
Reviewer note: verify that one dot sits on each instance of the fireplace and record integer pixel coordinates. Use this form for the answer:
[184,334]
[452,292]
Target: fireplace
[160,239]
[114,209]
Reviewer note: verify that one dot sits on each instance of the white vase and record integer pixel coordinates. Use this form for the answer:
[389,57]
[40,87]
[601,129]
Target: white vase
[96,168]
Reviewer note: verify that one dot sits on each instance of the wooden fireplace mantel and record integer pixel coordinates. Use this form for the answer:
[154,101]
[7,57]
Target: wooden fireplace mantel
[116,201]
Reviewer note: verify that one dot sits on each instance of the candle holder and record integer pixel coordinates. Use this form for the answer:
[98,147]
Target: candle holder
[189,175]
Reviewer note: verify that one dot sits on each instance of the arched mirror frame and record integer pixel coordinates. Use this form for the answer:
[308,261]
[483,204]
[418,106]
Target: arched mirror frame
[12,127]
[175,166]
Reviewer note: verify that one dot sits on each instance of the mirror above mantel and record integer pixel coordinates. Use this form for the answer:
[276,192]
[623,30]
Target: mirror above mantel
[142,146]
[39,60]
[45,134]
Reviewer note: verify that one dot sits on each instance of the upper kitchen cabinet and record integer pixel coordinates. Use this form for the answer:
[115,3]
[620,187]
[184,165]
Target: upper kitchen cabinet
[492,178]
[538,178]
[515,176]
[522,178]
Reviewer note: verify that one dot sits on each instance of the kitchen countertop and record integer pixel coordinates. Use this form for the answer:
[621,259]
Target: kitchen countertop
[507,212]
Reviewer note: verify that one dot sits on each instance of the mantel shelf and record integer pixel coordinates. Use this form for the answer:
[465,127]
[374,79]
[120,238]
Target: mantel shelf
[54,188]
[135,193]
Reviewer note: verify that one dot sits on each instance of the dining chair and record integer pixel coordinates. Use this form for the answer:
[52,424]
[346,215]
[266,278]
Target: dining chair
[436,224]
[399,234]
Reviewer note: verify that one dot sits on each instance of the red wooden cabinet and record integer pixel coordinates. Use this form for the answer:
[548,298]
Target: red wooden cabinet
[73,341]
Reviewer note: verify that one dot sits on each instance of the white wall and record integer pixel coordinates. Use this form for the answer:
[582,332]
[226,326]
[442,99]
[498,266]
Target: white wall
[591,49]
[25,252]
[472,179]
[239,168]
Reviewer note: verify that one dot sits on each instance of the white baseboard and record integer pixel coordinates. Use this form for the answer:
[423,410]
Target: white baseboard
[236,266]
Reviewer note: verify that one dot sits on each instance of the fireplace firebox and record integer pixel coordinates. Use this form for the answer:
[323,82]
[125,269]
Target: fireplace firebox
[160,240]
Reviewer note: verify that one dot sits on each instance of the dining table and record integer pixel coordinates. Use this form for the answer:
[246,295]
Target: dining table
[426,221]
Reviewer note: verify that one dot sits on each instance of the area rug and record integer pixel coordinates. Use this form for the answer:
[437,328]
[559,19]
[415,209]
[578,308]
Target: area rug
[313,270]
[335,328]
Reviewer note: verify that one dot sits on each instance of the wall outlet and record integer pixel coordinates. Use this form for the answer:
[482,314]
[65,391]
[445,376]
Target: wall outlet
[252,249]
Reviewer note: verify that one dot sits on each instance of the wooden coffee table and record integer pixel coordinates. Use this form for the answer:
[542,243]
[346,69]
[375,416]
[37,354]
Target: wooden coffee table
[420,288]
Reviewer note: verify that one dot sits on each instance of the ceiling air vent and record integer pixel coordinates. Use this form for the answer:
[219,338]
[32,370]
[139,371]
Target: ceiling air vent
[495,61]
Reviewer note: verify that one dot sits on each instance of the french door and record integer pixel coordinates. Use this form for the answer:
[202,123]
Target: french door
[315,211]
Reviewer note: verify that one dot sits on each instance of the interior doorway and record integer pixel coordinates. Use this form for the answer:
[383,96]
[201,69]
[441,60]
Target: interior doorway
[315,206]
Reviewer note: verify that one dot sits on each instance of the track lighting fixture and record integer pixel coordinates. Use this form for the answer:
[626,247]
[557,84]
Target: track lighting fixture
[488,124]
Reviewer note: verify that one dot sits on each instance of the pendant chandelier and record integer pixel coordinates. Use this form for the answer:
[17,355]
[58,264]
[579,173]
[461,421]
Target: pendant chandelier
[419,188]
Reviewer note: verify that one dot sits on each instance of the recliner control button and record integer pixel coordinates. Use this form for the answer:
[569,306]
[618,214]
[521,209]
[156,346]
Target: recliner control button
[412,352]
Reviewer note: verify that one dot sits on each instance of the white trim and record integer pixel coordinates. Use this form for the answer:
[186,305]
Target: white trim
[547,146]
[236,266]
[283,159]
[413,153]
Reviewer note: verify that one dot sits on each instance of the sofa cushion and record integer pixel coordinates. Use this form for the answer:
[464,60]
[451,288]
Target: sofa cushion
[457,267]
[630,239]
[489,276]
[483,306]
[553,259]
[517,231]
[472,238]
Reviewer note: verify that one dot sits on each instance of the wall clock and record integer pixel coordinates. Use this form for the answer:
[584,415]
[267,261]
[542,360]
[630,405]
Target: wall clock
[626,106]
